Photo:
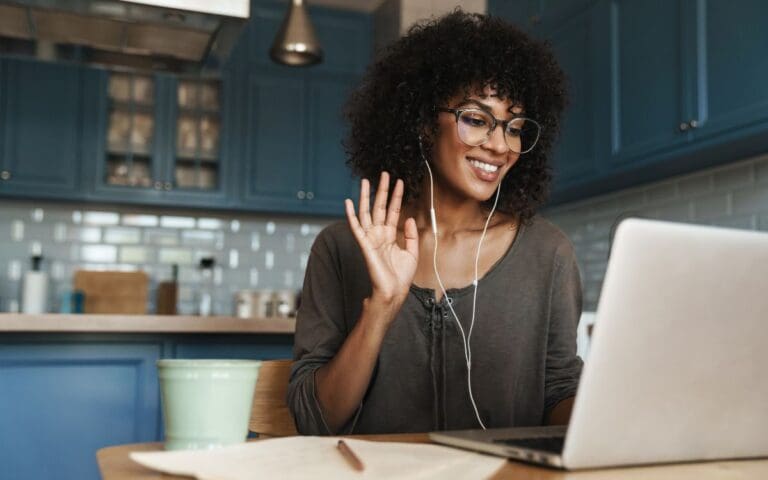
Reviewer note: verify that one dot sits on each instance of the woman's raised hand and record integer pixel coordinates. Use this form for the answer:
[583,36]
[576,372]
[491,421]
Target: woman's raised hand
[391,267]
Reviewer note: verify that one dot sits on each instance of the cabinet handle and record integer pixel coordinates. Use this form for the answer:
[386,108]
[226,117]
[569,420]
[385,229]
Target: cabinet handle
[168,185]
[5,175]
[684,126]
[693,124]
[310,195]
[158,185]
[301,194]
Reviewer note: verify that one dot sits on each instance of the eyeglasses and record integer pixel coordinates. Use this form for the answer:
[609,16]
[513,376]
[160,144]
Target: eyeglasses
[476,125]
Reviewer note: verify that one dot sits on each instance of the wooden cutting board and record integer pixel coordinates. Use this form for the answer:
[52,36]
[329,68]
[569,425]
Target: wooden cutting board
[113,292]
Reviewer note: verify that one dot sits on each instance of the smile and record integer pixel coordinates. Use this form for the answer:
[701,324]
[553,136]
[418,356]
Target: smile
[487,167]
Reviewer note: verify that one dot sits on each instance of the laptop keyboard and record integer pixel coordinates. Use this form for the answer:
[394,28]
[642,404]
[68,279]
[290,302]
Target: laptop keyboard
[545,444]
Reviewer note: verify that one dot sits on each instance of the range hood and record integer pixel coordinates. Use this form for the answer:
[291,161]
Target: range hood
[172,35]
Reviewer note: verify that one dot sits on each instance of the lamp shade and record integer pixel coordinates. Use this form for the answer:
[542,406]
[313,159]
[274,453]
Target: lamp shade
[296,43]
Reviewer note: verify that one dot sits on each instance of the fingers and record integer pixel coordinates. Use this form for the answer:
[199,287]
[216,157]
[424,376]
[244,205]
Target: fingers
[365,198]
[380,202]
[411,238]
[393,214]
[354,224]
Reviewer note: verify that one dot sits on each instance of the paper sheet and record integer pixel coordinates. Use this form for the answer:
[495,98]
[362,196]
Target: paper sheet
[317,457]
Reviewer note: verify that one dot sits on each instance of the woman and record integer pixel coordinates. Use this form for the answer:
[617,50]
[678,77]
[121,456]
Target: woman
[446,303]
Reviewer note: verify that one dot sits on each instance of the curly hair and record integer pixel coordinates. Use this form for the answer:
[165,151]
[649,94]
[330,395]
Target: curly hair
[437,59]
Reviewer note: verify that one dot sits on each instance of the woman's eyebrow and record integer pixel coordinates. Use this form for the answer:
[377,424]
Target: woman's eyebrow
[480,104]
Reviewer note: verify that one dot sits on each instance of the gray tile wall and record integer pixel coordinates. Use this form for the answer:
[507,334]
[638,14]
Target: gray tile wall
[735,195]
[255,252]
[251,251]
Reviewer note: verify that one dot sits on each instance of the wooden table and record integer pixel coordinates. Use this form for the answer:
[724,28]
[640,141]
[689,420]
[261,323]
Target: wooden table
[115,464]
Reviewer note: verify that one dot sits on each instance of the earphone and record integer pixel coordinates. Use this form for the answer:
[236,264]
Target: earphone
[465,338]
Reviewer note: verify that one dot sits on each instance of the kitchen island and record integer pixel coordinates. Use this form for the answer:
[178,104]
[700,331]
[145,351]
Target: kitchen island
[71,384]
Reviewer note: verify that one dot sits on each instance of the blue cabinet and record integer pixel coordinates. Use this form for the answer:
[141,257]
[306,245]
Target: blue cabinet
[731,67]
[274,135]
[64,396]
[40,130]
[294,160]
[650,81]
[584,133]
[149,165]
[84,133]
[329,178]
[657,88]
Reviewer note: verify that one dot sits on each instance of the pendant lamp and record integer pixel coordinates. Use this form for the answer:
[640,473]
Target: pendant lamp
[296,43]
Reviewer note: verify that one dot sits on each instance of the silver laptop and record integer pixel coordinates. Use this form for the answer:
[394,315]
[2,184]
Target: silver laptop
[677,366]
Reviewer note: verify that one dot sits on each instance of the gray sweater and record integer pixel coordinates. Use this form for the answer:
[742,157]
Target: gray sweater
[523,343]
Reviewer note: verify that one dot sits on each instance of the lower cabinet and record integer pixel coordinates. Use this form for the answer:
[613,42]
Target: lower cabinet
[64,396]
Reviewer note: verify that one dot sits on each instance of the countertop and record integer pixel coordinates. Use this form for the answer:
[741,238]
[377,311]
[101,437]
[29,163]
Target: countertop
[93,323]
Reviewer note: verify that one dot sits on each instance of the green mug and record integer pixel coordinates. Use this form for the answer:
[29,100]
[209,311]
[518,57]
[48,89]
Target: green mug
[206,403]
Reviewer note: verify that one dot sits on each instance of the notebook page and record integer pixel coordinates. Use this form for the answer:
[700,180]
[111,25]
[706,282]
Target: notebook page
[317,457]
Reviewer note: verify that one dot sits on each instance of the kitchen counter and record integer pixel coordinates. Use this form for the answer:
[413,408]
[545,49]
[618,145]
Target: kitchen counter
[93,323]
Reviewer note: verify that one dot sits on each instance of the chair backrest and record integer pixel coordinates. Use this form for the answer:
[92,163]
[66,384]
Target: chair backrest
[270,415]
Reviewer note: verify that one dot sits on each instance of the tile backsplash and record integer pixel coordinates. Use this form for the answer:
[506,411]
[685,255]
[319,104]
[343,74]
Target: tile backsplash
[251,251]
[734,195]
[254,252]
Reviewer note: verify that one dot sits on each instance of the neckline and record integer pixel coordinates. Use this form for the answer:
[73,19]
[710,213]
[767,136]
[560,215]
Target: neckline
[460,291]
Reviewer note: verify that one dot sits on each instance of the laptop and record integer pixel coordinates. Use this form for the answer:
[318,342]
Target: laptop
[677,366]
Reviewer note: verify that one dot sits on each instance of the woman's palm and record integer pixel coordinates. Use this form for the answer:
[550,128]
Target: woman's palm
[390,266]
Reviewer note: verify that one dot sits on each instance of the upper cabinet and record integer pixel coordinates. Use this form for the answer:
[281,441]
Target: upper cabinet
[259,137]
[40,109]
[159,139]
[731,66]
[657,88]
[293,128]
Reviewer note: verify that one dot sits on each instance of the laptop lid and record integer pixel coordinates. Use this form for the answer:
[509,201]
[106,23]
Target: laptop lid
[676,370]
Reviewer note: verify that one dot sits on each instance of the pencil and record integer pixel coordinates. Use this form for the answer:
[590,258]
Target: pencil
[350,456]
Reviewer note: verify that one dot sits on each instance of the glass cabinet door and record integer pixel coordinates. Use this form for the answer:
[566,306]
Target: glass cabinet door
[131,129]
[198,127]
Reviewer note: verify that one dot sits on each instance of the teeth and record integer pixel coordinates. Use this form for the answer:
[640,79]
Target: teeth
[484,166]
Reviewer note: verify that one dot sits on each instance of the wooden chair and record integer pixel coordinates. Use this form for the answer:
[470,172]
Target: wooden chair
[270,415]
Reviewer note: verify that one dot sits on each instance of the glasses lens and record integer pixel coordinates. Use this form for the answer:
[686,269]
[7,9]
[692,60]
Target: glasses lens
[522,134]
[474,126]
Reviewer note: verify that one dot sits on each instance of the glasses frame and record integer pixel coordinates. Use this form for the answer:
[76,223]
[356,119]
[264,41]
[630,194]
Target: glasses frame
[496,122]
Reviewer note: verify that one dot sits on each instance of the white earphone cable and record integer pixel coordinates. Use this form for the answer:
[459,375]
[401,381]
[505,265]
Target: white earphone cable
[465,338]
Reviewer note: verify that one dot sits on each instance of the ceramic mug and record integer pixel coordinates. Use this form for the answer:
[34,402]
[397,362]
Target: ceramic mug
[206,403]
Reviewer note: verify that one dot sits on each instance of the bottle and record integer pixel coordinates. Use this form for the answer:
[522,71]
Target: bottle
[205,292]
[167,293]
[35,288]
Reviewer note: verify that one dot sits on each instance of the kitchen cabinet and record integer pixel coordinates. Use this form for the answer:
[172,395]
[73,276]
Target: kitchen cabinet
[160,139]
[294,161]
[40,108]
[730,67]
[262,137]
[66,395]
[648,103]
[582,141]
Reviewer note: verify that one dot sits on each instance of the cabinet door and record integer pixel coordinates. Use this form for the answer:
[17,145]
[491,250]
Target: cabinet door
[330,179]
[128,111]
[63,400]
[584,131]
[732,65]
[41,129]
[274,154]
[648,80]
[196,145]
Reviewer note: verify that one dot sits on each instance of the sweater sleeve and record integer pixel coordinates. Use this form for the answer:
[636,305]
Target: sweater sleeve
[320,331]
[563,366]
